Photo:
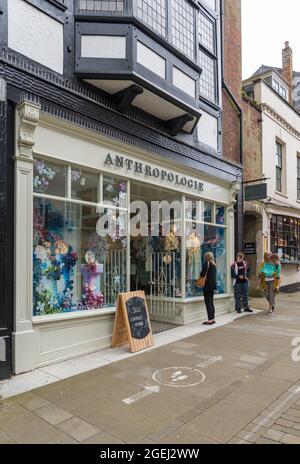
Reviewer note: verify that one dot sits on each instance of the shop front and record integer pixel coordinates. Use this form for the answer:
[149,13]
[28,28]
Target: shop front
[69,181]
[285,242]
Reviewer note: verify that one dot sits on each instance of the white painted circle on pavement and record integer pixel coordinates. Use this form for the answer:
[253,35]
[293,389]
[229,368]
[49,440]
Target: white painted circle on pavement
[179,377]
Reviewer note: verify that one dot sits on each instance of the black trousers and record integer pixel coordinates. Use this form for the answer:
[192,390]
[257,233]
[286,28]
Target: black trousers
[209,303]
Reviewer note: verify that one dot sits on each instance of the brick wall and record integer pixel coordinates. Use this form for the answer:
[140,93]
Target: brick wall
[252,140]
[233,79]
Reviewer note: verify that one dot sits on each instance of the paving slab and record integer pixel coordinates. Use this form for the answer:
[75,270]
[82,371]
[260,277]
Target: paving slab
[250,395]
[53,414]
[103,438]
[78,429]
[183,436]
[118,419]
[222,421]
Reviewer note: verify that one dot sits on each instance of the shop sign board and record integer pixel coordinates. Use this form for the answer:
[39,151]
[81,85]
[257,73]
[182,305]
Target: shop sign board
[250,248]
[256,192]
[132,322]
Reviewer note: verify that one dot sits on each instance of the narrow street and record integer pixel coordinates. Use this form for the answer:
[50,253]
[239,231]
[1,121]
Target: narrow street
[233,384]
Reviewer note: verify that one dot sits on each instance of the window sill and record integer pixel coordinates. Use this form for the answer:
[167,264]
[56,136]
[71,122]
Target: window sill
[39,320]
[281,194]
[69,316]
[59,4]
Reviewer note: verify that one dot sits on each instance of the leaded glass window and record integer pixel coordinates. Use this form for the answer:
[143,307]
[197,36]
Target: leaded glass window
[183,36]
[208,76]
[153,13]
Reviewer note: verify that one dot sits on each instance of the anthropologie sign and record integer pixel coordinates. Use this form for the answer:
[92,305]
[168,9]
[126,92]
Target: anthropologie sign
[132,322]
[138,167]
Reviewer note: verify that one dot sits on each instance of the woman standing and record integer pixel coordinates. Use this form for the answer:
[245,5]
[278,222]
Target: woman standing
[209,271]
[270,278]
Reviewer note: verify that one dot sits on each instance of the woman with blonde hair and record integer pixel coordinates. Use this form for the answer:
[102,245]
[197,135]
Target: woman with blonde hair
[270,278]
[209,272]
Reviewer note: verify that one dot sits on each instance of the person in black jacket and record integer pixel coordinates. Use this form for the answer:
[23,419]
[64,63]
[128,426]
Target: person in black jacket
[210,271]
[240,273]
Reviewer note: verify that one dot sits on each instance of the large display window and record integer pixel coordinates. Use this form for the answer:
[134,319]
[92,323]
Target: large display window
[76,269]
[285,238]
[205,232]
[73,267]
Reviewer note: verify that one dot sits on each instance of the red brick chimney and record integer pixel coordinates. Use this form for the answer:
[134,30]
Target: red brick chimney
[287,68]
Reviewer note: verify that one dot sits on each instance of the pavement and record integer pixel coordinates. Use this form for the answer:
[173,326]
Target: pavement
[237,383]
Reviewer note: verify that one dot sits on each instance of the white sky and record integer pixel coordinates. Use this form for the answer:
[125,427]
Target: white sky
[267,24]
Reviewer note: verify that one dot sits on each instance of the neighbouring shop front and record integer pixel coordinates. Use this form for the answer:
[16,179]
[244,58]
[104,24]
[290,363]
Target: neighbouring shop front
[68,277]
[285,241]
[276,229]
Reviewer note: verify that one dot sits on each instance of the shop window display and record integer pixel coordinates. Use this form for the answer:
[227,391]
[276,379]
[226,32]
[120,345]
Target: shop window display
[285,238]
[115,192]
[76,268]
[49,178]
[200,239]
[220,215]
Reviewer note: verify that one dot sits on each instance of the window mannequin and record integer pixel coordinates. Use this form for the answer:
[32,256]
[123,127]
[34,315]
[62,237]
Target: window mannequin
[193,261]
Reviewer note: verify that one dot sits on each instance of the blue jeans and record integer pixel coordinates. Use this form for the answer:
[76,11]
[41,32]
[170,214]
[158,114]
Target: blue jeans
[241,293]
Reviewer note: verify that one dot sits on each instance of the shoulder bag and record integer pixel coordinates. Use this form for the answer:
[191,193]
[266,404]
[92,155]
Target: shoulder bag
[200,283]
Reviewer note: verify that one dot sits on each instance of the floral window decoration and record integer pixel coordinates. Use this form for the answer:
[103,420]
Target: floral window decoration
[49,178]
[75,268]
[115,192]
[54,260]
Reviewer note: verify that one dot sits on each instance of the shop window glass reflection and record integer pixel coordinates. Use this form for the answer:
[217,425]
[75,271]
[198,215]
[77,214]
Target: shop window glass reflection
[207,214]
[84,186]
[192,209]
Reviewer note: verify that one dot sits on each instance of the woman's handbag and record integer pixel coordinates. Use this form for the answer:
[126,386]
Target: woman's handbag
[200,283]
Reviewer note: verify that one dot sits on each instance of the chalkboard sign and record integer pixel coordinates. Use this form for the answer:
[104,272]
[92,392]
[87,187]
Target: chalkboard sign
[138,318]
[132,322]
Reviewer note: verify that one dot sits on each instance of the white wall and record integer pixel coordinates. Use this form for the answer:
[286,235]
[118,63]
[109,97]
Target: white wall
[184,82]
[273,129]
[35,35]
[151,60]
[103,46]
[208,130]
